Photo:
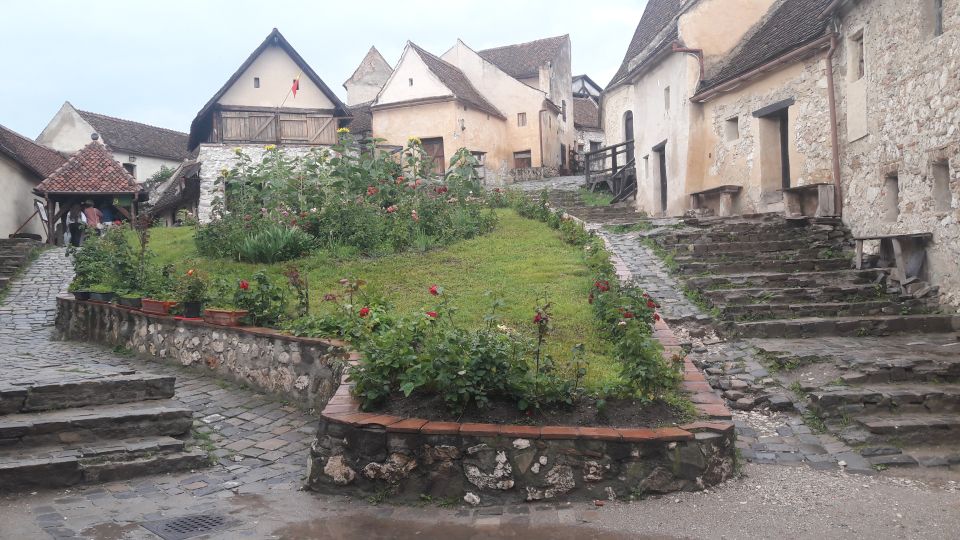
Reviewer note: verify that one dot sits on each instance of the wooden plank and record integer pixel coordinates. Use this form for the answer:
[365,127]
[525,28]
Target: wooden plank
[321,130]
[858,258]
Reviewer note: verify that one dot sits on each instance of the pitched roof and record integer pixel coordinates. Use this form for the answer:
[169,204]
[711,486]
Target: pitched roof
[374,57]
[658,16]
[589,82]
[175,190]
[136,138]
[197,135]
[456,81]
[37,158]
[788,25]
[586,113]
[91,170]
[523,60]
[362,121]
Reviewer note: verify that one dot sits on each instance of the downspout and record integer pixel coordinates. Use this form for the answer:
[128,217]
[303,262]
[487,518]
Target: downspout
[834,136]
[540,133]
[698,53]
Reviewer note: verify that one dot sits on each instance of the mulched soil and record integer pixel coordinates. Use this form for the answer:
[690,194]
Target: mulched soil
[618,413]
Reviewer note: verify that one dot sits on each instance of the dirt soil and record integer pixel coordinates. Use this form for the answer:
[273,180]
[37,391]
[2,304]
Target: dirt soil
[617,413]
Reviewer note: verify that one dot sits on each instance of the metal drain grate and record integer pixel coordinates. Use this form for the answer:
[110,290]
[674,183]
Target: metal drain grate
[188,526]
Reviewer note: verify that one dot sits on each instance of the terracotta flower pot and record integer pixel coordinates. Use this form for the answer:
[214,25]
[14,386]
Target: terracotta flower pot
[157,307]
[224,317]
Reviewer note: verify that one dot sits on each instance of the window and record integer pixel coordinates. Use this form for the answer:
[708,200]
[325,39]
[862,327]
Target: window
[521,119]
[646,166]
[666,98]
[942,197]
[891,197]
[937,17]
[594,146]
[131,168]
[521,160]
[410,82]
[857,58]
[256,82]
[731,129]
[563,109]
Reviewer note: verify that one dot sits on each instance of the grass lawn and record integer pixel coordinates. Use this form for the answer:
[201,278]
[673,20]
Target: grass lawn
[595,198]
[520,260]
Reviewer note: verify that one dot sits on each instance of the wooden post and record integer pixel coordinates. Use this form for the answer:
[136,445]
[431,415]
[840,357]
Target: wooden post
[858,261]
[52,220]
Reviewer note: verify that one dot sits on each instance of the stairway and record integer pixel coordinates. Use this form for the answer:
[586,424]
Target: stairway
[763,276]
[622,213]
[15,253]
[65,427]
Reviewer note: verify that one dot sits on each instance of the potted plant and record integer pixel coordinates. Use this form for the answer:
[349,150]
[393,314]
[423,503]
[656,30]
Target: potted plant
[130,299]
[192,292]
[101,292]
[223,310]
[80,290]
[158,284]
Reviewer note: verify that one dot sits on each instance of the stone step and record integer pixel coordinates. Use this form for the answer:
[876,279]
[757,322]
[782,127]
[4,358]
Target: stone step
[762,256]
[812,327]
[780,280]
[917,368]
[105,461]
[50,395]
[773,266]
[720,248]
[839,401]
[773,310]
[95,423]
[910,428]
[794,295]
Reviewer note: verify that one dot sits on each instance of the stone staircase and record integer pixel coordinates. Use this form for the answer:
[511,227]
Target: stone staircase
[622,213]
[76,426]
[763,276]
[15,253]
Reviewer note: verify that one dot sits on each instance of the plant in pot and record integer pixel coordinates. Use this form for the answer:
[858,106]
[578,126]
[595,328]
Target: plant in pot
[223,310]
[101,292]
[89,268]
[192,291]
[130,298]
[159,284]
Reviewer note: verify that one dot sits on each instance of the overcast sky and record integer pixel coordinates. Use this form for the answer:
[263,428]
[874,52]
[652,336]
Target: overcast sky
[158,62]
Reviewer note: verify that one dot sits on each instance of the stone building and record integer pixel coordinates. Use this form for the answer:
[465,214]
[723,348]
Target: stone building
[274,97]
[898,83]
[142,149]
[367,80]
[507,105]
[23,165]
[586,122]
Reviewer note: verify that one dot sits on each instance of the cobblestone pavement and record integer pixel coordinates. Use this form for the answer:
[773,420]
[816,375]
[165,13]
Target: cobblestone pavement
[557,183]
[262,445]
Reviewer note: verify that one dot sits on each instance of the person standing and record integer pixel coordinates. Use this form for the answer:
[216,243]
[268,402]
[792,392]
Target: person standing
[76,221]
[94,216]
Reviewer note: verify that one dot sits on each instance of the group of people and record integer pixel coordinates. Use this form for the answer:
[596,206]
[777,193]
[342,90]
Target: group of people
[85,217]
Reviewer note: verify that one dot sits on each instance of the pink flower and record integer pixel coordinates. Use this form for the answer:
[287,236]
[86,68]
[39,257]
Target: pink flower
[371,190]
[432,314]
[414,216]
[391,209]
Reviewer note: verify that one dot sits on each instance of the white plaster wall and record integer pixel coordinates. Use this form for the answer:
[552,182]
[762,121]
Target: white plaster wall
[425,83]
[913,118]
[16,205]
[276,71]
[146,165]
[67,131]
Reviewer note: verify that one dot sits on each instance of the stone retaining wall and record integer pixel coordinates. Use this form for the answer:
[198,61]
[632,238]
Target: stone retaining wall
[305,371]
[367,453]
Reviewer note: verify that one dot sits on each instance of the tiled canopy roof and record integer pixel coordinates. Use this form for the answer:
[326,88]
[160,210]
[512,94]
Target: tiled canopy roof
[788,26]
[91,170]
[362,121]
[141,139]
[586,113]
[37,158]
[657,17]
[456,81]
[523,60]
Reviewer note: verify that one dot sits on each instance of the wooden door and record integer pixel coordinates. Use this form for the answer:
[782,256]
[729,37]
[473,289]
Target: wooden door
[434,148]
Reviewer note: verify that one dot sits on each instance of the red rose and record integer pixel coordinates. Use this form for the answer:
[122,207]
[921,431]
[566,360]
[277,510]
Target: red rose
[538,318]
[645,295]
[118,222]
[244,284]
[434,290]
[651,304]
[628,315]
[432,314]
[364,311]
[656,316]
[371,190]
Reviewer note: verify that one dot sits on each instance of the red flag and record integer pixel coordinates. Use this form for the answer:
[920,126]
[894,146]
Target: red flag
[296,86]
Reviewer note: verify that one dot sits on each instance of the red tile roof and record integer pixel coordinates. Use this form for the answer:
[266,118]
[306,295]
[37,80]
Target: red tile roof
[91,170]
[586,113]
[523,60]
[37,158]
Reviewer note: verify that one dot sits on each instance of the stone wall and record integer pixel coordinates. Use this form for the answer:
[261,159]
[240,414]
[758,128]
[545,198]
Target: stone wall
[302,370]
[912,120]
[215,158]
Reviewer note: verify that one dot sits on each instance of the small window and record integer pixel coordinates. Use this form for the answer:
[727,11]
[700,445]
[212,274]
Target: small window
[131,168]
[942,197]
[521,160]
[731,129]
[521,119]
[937,17]
[594,146]
[858,57]
[563,109]
[256,82]
[410,82]
[666,98]
[891,197]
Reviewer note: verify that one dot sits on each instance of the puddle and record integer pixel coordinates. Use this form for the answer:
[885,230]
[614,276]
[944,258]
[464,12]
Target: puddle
[372,528]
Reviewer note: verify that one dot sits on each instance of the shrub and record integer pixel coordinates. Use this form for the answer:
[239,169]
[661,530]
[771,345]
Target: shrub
[265,301]
[275,243]
[193,286]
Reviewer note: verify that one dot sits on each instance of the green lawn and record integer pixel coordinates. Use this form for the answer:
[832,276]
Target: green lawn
[519,260]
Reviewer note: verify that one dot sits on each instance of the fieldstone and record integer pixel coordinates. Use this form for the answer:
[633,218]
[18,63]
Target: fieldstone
[660,480]
[780,402]
[442,452]
[396,468]
[743,404]
[471,498]
[338,471]
[559,480]
[500,478]
[521,444]
[593,471]
[875,451]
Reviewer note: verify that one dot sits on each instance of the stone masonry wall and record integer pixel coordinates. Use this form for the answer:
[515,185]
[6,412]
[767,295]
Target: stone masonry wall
[306,371]
[913,120]
[214,158]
